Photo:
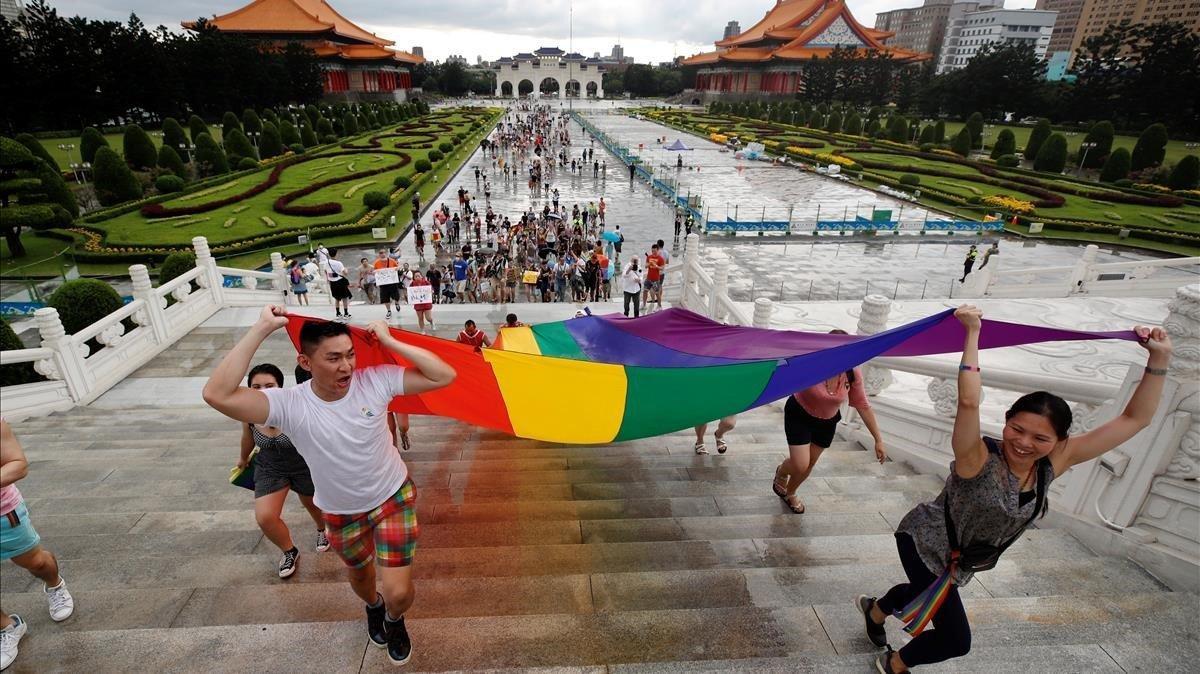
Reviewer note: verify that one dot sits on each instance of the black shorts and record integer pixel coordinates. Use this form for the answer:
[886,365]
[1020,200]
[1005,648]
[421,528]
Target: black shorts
[389,293]
[802,428]
[269,479]
[340,289]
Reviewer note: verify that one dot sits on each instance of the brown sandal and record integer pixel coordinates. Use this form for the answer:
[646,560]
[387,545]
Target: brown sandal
[795,503]
[780,488]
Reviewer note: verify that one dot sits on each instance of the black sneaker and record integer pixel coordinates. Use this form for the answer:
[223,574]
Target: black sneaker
[375,628]
[287,563]
[399,648]
[883,663]
[875,631]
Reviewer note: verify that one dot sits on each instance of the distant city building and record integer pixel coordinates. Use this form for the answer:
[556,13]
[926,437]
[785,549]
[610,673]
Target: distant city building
[418,51]
[922,29]
[618,53]
[731,29]
[1056,66]
[478,60]
[12,9]
[549,72]
[966,36]
[457,58]
[1080,19]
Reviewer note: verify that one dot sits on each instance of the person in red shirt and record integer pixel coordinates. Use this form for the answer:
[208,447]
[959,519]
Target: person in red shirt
[654,266]
[473,336]
[425,309]
[602,262]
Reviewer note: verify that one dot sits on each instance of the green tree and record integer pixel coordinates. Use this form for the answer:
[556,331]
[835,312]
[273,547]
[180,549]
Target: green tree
[962,142]
[307,137]
[349,124]
[1150,149]
[1186,174]
[82,302]
[25,199]
[169,160]
[238,145]
[939,132]
[196,126]
[288,133]
[854,124]
[975,125]
[1006,143]
[270,145]
[251,123]
[140,152]
[89,142]
[1101,134]
[897,130]
[1052,156]
[114,182]
[210,158]
[1041,131]
[37,149]
[229,122]
[928,135]
[834,123]
[324,129]
[173,134]
[1116,166]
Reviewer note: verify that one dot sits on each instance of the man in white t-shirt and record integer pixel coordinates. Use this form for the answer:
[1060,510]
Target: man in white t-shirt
[338,422]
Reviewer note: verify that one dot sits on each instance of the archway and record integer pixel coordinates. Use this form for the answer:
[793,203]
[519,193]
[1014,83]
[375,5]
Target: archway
[573,88]
[506,89]
[592,88]
[524,88]
[695,101]
[549,87]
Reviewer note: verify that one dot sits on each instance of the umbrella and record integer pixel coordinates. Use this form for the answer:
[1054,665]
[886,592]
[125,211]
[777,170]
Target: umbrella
[677,146]
[554,216]
[610,236]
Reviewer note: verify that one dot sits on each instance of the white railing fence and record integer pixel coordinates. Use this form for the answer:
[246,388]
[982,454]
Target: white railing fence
[1139,278]
[1141,501]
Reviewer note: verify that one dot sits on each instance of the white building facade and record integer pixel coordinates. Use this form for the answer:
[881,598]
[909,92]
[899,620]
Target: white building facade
[968,33]
[549,72]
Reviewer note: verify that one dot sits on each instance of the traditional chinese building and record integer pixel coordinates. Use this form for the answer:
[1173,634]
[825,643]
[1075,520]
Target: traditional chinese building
[769,58]
[358,64]
[549,71]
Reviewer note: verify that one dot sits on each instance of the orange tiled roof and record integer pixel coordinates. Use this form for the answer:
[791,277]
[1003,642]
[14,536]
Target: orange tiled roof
[292,16]
[361,52]
[785,14]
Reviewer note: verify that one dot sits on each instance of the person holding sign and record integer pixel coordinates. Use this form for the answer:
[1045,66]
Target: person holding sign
[387,279]
[420,296]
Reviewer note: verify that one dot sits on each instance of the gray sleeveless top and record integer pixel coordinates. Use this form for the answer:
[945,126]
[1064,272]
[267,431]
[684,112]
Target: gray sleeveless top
[277,454]
[985,509]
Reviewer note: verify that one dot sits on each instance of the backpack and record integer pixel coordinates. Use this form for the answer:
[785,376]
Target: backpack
[296,275]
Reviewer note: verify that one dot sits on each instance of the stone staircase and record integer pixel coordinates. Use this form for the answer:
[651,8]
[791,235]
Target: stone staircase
[633,557]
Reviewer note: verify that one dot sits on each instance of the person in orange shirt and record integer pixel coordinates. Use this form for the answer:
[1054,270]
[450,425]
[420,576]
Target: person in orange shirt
[389,293]
[602,262]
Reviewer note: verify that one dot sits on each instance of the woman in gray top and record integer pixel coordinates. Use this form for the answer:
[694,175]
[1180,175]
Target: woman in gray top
[995,489]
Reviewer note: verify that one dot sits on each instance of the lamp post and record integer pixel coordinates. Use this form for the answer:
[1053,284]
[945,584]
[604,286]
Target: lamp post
[987,131]
[188,149]
[1085,146]
[67,147]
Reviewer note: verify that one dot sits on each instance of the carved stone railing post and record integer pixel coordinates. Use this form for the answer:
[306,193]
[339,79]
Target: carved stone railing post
[763,308]
[720,289]
[1183,326]
[691,257]
[1083,270]
[151,314]
[211,279]
[281,282]
[68,364]
[872,319]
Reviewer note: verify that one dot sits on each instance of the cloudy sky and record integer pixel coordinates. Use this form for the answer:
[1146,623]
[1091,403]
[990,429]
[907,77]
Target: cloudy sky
[649,31]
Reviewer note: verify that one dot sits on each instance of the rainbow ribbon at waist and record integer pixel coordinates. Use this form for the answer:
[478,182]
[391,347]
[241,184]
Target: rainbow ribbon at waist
[917,614]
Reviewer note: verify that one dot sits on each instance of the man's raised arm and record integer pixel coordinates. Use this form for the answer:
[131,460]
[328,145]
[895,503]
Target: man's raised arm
[428,372]
[224,391]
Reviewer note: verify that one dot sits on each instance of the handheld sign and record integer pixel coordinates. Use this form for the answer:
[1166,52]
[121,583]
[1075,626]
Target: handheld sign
[387,276]
[419,294]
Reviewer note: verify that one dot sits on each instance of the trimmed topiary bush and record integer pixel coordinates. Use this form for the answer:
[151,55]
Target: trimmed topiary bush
[1052,157]
[1150,149]
[251,123]
[375,200]
[84,301]
[853,125]
[296,148]
[975,125]
[434,155]
[20,373]
[1123,182]
[167,183]
[403,182]
[37,149]
[90,141]
[927,136]
[446,147]
[229,122]
[176,265]
[115,183]
[961,145]
[288,133]
[897,129]
[331,138]
[1186,174]
[210,158]
[834,123]
[173,134]
[1006,143]
[1101,134]
[939,132]
[270,144]
[422,165]
[169,160]
[1116,166]
[246,163]
[308,137]
[1041,131]
[236,143]
[196,126]
[1008,160]
[910,179]
[349,124]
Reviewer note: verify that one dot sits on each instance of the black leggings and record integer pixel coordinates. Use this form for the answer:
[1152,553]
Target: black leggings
[952,636]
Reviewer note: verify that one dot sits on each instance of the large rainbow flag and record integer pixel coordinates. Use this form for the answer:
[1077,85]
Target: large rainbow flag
[602,379]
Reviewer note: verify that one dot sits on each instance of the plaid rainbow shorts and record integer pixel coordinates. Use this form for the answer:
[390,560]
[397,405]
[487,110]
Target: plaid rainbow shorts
[388,532]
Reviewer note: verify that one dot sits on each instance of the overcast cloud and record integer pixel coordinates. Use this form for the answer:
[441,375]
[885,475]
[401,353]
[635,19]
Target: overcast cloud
[650,30]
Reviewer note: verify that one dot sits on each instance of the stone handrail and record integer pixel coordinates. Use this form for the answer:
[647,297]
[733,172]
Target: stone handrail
[1085,277]
[1019,381]
[16,356]
[108,329]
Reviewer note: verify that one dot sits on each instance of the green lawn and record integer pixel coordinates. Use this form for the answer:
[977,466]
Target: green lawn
[116,141]
[1176,149]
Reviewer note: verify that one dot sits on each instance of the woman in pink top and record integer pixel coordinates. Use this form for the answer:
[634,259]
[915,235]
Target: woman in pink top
[810,419]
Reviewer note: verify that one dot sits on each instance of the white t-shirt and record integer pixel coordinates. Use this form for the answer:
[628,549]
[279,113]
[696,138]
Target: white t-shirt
[346,444]
[336,270]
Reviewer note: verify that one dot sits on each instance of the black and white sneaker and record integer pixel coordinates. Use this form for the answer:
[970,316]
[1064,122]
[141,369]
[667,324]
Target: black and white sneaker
[322,541]
[375,628]
[875,632]
[399,648]
[287,563]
